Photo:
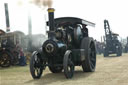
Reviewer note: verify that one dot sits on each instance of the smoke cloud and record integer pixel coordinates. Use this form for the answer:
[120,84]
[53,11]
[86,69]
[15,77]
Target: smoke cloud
[45,3]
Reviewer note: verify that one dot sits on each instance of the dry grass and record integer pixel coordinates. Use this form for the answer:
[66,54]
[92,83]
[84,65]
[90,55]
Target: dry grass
[109,71]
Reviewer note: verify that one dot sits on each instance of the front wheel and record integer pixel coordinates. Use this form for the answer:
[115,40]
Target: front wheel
[35,65]
[68,65]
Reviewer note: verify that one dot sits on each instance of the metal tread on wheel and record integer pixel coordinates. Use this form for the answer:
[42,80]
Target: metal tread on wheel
[68,64]
[89,55]
[35,65]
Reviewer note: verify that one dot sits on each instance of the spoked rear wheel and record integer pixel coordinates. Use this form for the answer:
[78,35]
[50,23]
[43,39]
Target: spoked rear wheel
[5,59]
[89,62]
[35,65]
[92,54]
[68,65]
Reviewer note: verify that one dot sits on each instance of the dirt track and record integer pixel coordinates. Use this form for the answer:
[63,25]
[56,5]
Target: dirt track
[109,71]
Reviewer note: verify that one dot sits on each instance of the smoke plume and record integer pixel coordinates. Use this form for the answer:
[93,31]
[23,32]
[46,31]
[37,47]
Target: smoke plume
[45,3]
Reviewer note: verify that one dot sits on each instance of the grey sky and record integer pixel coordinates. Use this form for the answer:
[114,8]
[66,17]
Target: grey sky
[92,10]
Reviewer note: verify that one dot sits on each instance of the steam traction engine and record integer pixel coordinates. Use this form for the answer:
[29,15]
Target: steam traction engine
[112,44]
[68,45]
[10,44]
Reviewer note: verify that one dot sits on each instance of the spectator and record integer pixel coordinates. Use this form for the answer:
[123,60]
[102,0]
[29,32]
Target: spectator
[22,60]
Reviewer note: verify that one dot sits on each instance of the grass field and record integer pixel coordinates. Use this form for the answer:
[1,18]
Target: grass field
[109,71]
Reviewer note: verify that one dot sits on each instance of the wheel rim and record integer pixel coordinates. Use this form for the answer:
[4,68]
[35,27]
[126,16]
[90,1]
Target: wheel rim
[92,54]
[70,65]
[37,66]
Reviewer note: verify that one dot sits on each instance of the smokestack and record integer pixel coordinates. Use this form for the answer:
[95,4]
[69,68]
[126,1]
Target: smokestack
[101,39]
[29,46]
[51,19]
[29,24]
[127,39]
[104,38]
[7,17]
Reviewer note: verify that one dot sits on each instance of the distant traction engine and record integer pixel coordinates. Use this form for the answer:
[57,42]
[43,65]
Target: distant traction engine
[112,44]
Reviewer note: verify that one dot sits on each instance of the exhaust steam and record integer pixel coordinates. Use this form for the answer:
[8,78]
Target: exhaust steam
[45,3]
